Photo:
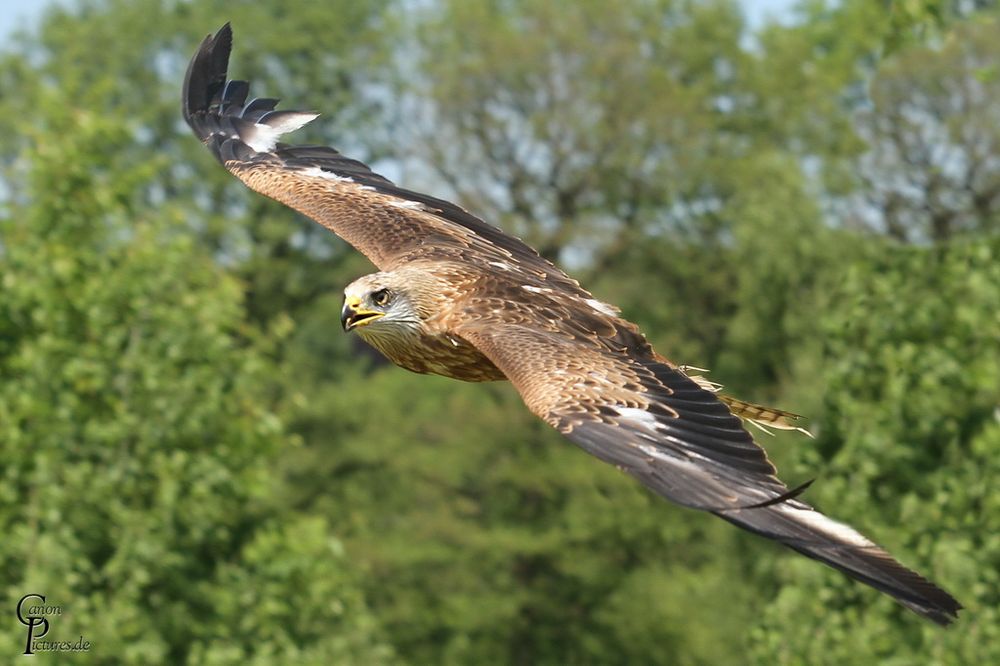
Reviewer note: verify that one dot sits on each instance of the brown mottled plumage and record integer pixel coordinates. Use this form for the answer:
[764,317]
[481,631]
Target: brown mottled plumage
[460,298]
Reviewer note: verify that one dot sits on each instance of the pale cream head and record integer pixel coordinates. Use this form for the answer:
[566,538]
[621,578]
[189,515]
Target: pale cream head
[378,302]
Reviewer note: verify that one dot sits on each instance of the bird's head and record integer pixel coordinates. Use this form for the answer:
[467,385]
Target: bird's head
[379,304]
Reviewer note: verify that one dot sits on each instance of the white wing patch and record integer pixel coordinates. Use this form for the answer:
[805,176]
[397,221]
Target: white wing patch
[829,526]
[316,172]
[534,290]
[602,307]
[407,204]
[640,416]
[265,136]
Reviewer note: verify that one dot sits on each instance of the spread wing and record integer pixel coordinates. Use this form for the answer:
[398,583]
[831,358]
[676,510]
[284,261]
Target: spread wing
[388,224]
[577,365]
[630,408]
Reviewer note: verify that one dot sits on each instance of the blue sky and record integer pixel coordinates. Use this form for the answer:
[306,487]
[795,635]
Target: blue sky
[19,14]
[25,13]
[759,10]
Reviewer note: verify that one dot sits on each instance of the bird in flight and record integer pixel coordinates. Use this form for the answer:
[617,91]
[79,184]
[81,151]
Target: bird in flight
[458,297]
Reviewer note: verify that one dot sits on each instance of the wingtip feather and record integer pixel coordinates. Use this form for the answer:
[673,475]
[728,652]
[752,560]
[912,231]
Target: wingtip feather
[217,110]
[840,546]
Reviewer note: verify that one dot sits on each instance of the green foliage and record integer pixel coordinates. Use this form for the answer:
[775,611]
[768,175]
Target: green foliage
[202,468]
[911,427]
[291,597]
[575,147]
[136,434]
[929,172]
[513,545]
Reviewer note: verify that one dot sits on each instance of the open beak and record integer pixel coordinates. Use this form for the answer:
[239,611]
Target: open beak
[353,315]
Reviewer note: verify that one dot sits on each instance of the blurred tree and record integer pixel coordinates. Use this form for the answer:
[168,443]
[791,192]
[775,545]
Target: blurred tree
[913,366]
[575,147]
[153,308]
[136,436]
[284,260]
[922,21]
[933,166]
[491,539]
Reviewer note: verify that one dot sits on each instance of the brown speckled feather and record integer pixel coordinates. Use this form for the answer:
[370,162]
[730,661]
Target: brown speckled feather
[492,307]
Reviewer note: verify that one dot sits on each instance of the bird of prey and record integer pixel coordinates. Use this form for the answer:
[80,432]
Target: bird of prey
[458,297]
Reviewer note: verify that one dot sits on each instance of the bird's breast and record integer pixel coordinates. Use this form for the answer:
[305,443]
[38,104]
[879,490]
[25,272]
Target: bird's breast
[436,353]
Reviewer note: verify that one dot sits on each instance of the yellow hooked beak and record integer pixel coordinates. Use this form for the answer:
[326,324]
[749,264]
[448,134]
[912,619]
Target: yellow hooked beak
[353,315]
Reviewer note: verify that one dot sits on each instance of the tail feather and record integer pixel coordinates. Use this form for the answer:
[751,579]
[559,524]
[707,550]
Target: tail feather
[802,528]
[758,415]
[763,417]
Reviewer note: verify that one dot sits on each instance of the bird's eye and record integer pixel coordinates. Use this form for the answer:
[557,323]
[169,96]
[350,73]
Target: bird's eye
[380,297]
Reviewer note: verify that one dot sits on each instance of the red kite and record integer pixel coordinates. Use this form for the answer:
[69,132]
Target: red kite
[458,297]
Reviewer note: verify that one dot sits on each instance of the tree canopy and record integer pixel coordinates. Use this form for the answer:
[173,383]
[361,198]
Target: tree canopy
[199,467]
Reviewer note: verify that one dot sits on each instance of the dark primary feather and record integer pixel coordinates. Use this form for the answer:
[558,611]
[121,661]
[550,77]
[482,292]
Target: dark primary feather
[802,528]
